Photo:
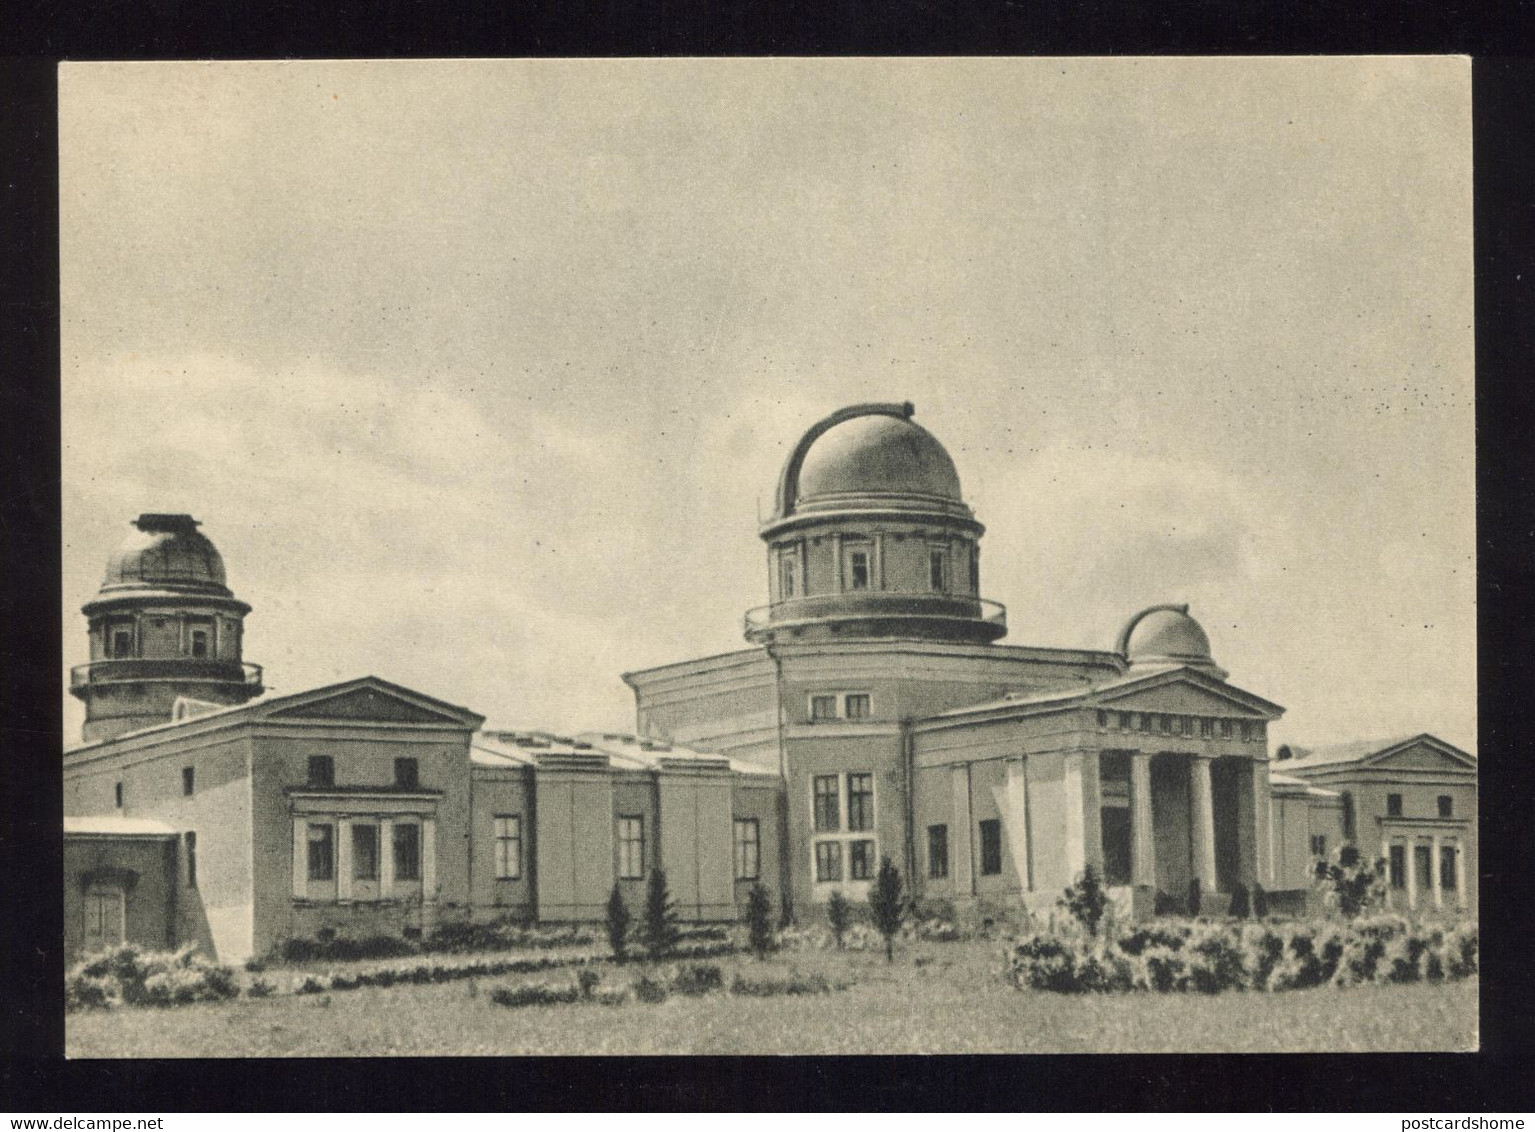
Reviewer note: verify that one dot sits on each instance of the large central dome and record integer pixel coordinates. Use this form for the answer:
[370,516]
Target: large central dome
[880,454]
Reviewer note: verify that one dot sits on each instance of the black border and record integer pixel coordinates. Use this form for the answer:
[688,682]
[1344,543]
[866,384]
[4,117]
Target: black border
[32,1076]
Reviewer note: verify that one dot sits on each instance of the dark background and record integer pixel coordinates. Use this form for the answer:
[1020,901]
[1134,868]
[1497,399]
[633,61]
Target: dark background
[33,1076]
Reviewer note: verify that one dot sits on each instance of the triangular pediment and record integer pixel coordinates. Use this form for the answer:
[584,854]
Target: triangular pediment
[373,701]
[1423,753]
[1187,692]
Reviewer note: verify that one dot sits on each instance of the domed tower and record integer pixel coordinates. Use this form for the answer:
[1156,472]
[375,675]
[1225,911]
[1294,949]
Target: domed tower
[163,625]
[1165,636]
[870,537]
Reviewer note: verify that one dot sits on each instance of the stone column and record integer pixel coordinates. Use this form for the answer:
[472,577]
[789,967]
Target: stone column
[961,866]
[1074,847]
[1385,851]
[300,858]
[429,859]
[385,858]
[1143,846]
[1435,871]
[1462,897]
[1263,844]
[344,859]
[836,564]
[1017,822]
[1202,823]
[1411,860]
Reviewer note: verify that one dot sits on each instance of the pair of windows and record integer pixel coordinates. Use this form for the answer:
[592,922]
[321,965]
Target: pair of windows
[991,849]
[827,707]
[322,772]
[1445,806]
[828,792]
[747,849]
[1319,845]
[829,860]
[406,847]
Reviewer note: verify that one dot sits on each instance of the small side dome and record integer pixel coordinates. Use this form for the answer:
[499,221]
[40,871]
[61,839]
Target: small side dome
[166,552]
[1165,635]
[878,453]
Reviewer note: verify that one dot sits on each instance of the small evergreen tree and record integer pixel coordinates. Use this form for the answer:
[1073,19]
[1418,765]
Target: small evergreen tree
[618,924]
[1241,902]
[1086,900]
[839,913]
[759,920]
[1195,897]
[1260,902]
[885,901]
[659,931]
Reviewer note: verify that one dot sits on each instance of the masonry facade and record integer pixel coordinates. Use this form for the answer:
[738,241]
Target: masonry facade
[875,713]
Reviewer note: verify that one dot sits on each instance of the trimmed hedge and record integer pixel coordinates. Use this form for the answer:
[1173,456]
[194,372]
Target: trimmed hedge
[1208,958]
[130,976]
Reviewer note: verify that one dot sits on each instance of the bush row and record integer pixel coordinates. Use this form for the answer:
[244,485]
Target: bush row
[426,973]
[130,976]
[1212,957]
[689,979]
[457,939]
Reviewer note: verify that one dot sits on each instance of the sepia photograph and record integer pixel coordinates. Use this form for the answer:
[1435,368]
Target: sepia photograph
[768,556]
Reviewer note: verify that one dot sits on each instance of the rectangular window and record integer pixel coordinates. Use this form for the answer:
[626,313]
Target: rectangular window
[631,847]
[1447,867]
[1398,867]
[1167,725]
[748,849]
[823,709]
[322,852]
[199,642]
[1393,805]
[828,860]
[1145,721]
[860,803]
[364,851]
[407,851]
[322,770]
[508,835]
[937,571]
[860,860]
[975,570]
[937,851]
[190,837]
[117,794]
[1126,721]
[407,774]
[1247,731]
[858,570]
[858,705]
[1446,806]
[991,847]
[1226,729]
[1103,720]
[1318,845]
[1207,729]
[788,574]
[828,811]
[188,780]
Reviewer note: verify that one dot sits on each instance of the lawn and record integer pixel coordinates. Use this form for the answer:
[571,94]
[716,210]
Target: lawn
[937,998]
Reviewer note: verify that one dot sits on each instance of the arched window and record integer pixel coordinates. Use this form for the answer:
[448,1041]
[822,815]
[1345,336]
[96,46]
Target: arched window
[1348,816]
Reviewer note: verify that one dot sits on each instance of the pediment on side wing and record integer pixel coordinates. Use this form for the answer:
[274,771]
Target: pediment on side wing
[1425,753]
[370,704]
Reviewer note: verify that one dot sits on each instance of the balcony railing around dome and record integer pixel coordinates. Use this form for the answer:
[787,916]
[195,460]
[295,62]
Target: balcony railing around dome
[863,605]
[127,670]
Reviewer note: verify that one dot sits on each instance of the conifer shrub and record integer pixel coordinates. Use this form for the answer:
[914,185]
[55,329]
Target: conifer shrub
[885,902]
[617,924]
[659,930]
[759,921]
[839,914]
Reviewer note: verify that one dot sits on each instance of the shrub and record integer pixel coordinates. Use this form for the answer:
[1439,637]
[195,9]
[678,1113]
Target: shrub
[1461,951]
[535,994]
[1166,904]
[617,923]
[1195,897]
[147,978]
[885,904]
[1162,969]
[698,978]
[313,984]
[839,914]
[647,989]
[759,920]
[90,992]
[259,988]
[1169,936]
[794,984]
[1215,961]
[1086,900]
[1350,884]
[587,981]
[658,930]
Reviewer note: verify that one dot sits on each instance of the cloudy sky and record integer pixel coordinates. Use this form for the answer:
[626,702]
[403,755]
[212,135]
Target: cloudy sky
[480,374]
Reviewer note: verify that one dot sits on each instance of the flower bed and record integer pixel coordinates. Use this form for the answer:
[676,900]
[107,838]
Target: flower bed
[1212,957]
[127,975]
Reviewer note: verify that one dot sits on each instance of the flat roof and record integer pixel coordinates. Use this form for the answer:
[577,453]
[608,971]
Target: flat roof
[114,826]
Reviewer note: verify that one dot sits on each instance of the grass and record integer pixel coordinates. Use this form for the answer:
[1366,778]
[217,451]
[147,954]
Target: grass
[937,998]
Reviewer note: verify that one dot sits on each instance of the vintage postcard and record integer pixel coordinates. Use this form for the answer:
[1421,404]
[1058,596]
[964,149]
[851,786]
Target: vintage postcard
[768,556]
